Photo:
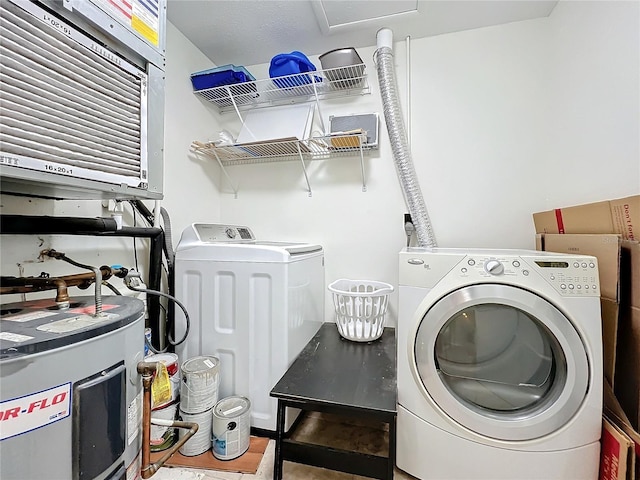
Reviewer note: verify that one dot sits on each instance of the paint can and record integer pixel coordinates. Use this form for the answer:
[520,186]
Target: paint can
[231,427]
[201,441]
[200,381]
[162,437]
[169,360]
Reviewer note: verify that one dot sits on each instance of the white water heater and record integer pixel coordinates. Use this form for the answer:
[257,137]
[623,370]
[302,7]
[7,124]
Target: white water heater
[71,397]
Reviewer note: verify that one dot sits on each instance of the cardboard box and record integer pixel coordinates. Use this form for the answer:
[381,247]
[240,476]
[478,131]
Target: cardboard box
[624,432]
[627,386]
[621,216]
[610,337]
[607,249]
[627,377]
[630,273]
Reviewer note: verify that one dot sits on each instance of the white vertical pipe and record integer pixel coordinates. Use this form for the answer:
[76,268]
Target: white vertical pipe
[408,44]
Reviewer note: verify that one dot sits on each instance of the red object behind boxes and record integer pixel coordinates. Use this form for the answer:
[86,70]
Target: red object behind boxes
[624,434]
[614,452]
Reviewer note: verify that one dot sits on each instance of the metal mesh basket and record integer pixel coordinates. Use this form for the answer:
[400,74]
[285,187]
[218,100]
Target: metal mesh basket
[360,307]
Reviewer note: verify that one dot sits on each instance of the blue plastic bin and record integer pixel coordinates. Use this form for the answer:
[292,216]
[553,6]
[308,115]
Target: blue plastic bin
[219,76]
[292,63]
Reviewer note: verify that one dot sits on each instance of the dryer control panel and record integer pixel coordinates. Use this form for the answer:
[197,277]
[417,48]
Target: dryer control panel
[575,276]
[569,275]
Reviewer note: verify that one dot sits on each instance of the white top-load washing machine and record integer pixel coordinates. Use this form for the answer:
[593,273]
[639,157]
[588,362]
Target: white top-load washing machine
[253,304]
[499,365]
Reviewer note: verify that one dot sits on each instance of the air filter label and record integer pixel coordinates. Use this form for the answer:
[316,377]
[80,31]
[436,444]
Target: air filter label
[30,412]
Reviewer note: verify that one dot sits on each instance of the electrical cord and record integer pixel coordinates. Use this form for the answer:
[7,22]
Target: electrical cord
[173,299]
[111,287]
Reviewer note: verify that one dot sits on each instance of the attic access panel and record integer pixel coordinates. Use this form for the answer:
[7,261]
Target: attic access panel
[338,16]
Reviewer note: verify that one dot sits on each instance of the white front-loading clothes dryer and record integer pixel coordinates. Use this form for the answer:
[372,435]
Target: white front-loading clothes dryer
[499,365]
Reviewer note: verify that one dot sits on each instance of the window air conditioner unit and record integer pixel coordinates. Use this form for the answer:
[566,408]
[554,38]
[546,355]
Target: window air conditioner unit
[82,98]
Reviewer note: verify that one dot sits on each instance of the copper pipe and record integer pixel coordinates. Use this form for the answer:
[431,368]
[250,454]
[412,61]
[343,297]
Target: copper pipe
[148,370]
[39,284]
[35,284]
[84,280]
[96,271]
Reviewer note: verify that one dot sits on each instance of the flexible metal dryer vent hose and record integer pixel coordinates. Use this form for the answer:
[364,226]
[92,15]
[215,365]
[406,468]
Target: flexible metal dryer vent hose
[398,138]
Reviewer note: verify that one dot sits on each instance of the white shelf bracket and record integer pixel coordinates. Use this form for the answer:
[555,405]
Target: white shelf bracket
[315,93]
[304,168]
[224,171]
[364,181]
[235,105]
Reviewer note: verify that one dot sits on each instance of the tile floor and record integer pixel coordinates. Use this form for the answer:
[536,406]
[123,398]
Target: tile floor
[317,428]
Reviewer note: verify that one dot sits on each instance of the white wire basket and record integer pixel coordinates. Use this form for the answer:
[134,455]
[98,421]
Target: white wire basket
[361,306]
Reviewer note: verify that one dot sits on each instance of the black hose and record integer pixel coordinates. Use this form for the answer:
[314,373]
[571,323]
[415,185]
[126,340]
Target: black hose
[143,210]
[168,244]
[24,224]
[167,248]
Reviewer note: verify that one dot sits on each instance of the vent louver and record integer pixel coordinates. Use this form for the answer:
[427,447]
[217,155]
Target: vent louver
[67,105]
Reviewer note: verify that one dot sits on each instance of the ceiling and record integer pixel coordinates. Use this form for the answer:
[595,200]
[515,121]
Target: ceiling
[248,32]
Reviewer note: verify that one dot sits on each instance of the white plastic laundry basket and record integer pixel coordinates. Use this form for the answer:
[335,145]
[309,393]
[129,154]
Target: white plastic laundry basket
[360,306]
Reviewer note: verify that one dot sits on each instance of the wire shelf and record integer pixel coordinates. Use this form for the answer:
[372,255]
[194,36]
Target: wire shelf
[286,149]
[328,83]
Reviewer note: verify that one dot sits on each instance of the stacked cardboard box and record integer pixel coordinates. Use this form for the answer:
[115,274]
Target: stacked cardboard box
[621,216]
[610,231]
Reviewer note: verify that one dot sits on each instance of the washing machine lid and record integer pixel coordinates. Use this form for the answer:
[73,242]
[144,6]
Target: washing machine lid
[501,361]
[233,243]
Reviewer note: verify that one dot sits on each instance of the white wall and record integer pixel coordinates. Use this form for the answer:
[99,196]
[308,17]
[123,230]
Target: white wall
[506,121]
[594,139]
[190,181]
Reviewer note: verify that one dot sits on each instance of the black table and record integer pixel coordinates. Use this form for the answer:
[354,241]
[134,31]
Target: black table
[346,378]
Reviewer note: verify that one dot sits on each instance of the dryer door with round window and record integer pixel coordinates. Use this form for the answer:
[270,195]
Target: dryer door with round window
[501,361]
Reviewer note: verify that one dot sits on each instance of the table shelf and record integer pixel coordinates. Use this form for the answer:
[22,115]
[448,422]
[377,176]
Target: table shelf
[373,396]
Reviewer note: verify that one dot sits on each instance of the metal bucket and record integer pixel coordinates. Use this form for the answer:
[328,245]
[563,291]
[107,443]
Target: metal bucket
[200,381]
[201,441]
[231,427]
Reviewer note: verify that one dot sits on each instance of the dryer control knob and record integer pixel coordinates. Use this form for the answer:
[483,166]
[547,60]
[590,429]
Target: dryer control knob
[231,233]
[494,267]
